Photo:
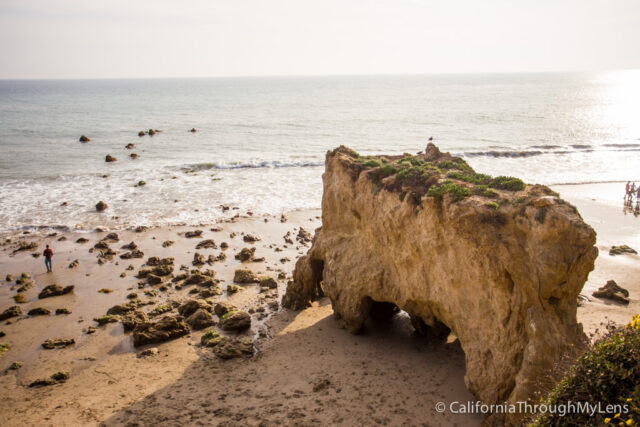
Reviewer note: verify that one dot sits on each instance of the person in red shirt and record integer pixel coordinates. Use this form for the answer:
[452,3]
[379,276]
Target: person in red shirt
[48,253]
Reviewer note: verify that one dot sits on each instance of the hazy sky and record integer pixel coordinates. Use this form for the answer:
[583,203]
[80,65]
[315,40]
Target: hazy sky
[171,38]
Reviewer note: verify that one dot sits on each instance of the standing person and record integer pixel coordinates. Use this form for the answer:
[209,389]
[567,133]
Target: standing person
[626,191]
[638,195]
[48,253]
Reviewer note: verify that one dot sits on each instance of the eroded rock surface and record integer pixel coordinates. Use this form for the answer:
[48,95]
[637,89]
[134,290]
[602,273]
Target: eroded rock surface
[497,262]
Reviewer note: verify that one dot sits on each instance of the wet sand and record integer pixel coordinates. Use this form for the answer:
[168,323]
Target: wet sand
[307,371]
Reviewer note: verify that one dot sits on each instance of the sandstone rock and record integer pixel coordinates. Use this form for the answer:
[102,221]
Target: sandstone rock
[193,130]
[167,243]
[232,289]
[57,378]
[103,320]
[39,311]
[245,254]
[235,321]
[222,308]
[135,156]
[167,328]
[101,245]
[151,132]
[123,308]
[191,306]
[58,343]
[200,319]
[193,234]
[250,238]
[101,206]
[54,291]
[82,240]
[148,352]
[63,310]
[198,259]
[210,338]
[74,263]
[141,228]
[133,254]
[612,291]
[244,276]
[304,236]
[504,282]
[15,366]
[111,237]
[268,282]
[142,133]
[13,311]
[132,319]
[129,146]
[25,246]
[109,158]
[130,246]
[622,249]
[152,279]
[228,348]
[207,244]
[83,138]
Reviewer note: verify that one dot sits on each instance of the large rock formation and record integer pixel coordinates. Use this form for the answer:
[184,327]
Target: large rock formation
[496,262]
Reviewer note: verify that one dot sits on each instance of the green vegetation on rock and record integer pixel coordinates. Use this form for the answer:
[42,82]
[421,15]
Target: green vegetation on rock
[458,192]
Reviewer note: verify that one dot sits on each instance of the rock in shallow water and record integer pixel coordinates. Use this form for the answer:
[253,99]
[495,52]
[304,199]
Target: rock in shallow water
[165,329]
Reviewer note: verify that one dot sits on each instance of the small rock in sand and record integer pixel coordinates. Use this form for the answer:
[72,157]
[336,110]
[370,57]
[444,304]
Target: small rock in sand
[244,276]
[200,319]
[101,206]
[613,292]
[62,311]
[55,290]
[39,311]
[167,243]
[167,328]
[13,311]
[84,138]
[57,343]
[622,249]
[192,234]
[235,321]
[148,352]
[57,378]
[245,254]
[250,238]
[74,264]
[82,240]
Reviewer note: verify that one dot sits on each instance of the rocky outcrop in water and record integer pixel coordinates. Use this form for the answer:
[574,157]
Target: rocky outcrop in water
[498,263]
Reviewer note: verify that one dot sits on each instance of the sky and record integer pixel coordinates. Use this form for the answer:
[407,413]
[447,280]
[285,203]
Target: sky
[201,38]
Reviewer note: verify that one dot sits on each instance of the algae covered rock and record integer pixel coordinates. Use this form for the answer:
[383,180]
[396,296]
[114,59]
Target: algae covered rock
[235,321]
[167,328]
[200,319]
[613,292]
[417,232]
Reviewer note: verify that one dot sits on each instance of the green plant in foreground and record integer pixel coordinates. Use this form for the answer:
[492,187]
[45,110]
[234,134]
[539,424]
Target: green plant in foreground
[493,205]
[609,374]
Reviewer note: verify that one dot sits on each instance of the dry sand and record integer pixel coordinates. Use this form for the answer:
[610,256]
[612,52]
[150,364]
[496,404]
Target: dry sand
[306,371]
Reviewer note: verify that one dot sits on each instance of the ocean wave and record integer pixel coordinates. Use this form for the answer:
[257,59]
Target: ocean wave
[503,153]
[621,145]
[250,165]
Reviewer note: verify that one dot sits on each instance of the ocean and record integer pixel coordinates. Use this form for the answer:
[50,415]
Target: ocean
[260,142]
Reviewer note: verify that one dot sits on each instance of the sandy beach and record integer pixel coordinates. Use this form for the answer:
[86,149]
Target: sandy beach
[305,370]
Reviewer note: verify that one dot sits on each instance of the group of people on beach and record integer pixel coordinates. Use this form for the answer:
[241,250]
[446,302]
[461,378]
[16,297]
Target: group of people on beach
[630,192]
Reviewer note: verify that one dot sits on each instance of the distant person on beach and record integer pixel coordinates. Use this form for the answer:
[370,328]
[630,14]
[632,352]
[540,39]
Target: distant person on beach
[48,253]
[626,190]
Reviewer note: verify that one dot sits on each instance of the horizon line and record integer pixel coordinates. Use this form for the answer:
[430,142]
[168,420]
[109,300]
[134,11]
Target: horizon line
[239,76]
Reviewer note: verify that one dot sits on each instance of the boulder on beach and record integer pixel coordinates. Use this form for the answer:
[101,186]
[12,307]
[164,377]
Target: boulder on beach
[132,319]
[230,348]
[54,291]
[235,321]
[13,311]
[223,308]
[245,254]
[207,244]
[613,292]
[193,234]
[250,238]
[129,146]
[135,156]
[621,250]
[198,259]
[155,261]
[191,306]
[151,132]
[39,311]
[58,343]
[200,319]
[142,133]
[165,329]
[109,158]
[193,130]
[244,276]
[421,233]
[132,254]
[84,138]
[101,206]
[57,378]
